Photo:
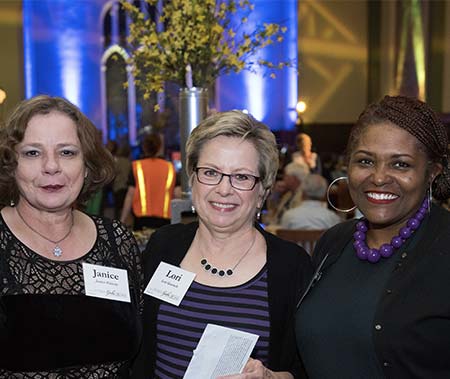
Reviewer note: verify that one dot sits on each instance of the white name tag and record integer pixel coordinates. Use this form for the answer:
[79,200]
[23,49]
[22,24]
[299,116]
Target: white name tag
[106,282]
[169,283]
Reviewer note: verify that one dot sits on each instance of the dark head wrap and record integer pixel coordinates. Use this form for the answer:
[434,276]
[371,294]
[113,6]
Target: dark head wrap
[417,118]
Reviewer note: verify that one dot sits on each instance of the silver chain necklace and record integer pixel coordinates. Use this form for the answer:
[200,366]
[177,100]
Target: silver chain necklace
[221,272]
[57,251]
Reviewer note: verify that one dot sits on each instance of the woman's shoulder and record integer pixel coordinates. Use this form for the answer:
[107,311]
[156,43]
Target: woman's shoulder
[112,225]
[169,243]
[286,259]
[439,224]
[333,239]
[116,233]
[441,212]
[172,232]
[342,227]
[173,236]
[3,225]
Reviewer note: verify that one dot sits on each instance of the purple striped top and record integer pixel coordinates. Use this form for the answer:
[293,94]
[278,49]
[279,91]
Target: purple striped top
[244,307]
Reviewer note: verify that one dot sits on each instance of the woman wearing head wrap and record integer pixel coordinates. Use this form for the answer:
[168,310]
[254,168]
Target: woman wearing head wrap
[381,307]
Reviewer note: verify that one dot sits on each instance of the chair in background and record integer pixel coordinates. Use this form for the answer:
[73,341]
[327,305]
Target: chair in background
[305,238]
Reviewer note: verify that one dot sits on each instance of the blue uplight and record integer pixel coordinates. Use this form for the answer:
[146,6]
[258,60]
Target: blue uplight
[62,50]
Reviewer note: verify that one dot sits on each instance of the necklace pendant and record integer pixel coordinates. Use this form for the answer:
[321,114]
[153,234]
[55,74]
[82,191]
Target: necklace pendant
[214,270]
[57,251]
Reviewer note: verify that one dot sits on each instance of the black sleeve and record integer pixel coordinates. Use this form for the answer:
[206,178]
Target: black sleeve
[131,181]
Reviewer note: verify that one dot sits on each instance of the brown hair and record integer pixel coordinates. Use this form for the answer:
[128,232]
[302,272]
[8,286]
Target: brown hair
[417,118]
[151,144]
[98,160]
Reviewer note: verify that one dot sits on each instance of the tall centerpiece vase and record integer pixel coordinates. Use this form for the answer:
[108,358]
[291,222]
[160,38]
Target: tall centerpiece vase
[193,107]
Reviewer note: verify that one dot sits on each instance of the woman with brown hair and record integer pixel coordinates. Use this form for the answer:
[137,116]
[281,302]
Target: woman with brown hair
[70,283]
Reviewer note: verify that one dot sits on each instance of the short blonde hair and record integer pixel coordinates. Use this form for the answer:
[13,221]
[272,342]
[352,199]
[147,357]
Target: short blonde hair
[240,125]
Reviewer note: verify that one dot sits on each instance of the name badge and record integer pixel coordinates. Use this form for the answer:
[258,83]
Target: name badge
[169,283]
[106,282]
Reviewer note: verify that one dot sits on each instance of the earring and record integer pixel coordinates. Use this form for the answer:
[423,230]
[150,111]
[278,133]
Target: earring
[258,215]
[328,196]
[193,210]
[430,196]
[11,203]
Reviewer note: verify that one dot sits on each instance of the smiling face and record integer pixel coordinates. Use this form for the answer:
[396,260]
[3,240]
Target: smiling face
[50,167]
[222,207]
[389,175]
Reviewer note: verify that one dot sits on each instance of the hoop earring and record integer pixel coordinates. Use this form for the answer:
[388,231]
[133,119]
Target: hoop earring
[430,196]
[328,196]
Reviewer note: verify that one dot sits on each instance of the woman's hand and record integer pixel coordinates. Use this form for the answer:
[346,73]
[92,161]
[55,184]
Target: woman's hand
[254,369]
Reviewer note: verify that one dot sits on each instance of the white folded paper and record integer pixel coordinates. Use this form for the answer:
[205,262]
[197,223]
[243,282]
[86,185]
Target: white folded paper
[220,351]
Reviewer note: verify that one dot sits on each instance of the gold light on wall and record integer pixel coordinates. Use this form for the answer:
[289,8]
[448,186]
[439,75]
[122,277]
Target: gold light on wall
[2,95]
[2,105]
[412,31]
[418,46]
[333,57]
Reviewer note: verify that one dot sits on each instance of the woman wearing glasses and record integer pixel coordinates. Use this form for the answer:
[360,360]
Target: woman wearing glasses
[245,278]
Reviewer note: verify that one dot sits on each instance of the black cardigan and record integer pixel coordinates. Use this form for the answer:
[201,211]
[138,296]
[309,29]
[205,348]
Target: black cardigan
[411,328]
[288,270]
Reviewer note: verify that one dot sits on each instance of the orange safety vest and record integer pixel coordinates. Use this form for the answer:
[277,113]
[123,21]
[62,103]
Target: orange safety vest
[155,181]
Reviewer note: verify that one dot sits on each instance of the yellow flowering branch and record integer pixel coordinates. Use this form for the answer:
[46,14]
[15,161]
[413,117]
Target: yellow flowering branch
[195,40]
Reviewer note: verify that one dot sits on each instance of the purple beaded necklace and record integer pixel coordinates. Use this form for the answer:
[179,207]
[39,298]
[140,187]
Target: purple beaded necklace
[365,253]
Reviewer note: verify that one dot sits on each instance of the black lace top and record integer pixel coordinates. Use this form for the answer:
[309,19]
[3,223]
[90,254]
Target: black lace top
[49,328]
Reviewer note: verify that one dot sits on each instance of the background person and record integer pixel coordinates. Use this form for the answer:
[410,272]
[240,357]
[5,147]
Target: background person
[52,159]
[150,187]
[312,213]
[121,155]
[246,278]
[304,155]
[381,307]
[287,193]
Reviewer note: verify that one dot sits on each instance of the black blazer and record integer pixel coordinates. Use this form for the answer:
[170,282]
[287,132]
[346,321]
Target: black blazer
[412,333]
[289,271]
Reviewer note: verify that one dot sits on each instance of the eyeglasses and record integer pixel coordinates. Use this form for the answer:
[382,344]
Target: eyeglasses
[211,177]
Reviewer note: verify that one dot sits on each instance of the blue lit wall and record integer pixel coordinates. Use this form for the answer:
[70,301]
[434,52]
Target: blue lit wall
[63,52]
[269,100]
[63,48]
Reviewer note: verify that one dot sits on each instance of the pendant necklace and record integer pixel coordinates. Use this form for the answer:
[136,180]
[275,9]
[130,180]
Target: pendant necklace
[222,272]
[57,250]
